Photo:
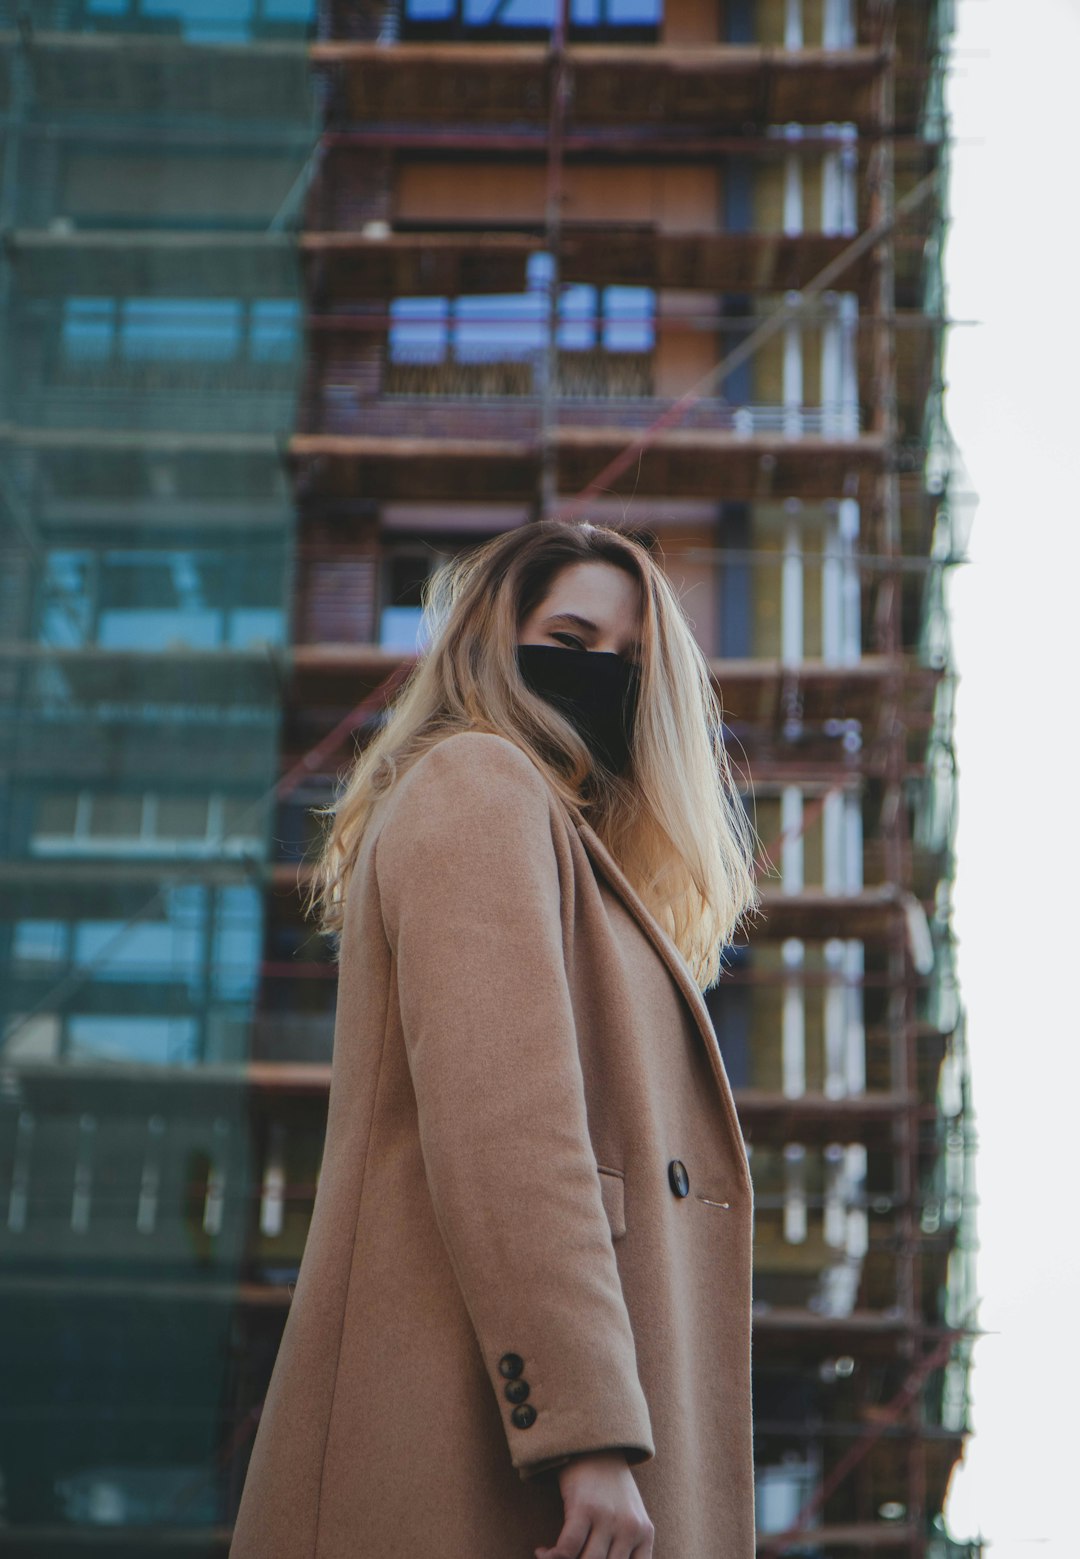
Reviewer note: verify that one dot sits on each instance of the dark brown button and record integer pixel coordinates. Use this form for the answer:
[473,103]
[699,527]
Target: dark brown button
[524,1415]
[516,1390]
[680,1180]
[511,1365]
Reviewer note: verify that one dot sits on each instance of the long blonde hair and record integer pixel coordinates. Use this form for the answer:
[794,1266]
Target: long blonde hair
[673,820]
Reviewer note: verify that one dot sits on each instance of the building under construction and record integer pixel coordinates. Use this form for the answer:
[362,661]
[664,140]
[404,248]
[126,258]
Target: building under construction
[293,306]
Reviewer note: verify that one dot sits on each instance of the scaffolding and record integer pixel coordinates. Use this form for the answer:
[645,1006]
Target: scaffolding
[682,274]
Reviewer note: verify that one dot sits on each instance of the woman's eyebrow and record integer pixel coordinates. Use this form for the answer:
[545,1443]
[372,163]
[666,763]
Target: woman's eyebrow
[583,622]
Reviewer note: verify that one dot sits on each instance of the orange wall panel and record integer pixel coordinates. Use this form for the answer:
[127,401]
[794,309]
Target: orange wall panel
[482,192]
[682,356]
[688,21]
[677,199]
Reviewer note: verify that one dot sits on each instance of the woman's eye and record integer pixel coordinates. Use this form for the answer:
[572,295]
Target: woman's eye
[578,643]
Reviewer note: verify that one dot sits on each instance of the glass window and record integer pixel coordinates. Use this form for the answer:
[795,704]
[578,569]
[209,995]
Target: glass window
[419,329]
[148,950]
[300,11]
[66,606]
[577,312]
[628,319]
[274,330]
[501,327]
[158,630]
[508,16]
[127,599]
[237,942]
[87,329]
[40,941]
[496,327]
[252,626]
[153,1040]
[101,330]
[207,21]
[509,13]
[181,329]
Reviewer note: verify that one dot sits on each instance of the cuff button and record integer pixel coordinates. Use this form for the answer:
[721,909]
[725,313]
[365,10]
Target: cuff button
[524,1415]
[511,1365]
[678,1178]
[516,1390]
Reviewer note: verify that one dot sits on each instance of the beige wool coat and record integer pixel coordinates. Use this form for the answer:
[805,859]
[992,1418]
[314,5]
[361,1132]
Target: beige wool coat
[532,1229]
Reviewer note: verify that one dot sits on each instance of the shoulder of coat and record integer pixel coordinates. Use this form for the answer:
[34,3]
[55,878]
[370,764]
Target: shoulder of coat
[476,762]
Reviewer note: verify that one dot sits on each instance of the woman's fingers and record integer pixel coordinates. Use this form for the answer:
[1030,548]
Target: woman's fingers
[621,1538]
[571,1539]
[598,1546]
[603,1516]
[632,1540]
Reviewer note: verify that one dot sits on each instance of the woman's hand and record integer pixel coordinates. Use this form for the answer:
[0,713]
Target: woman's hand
[603,1517]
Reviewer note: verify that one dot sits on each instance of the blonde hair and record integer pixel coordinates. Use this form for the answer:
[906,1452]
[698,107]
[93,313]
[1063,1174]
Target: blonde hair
[673,820]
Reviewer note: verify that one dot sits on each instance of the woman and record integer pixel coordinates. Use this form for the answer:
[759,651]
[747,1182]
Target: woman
[522,1320]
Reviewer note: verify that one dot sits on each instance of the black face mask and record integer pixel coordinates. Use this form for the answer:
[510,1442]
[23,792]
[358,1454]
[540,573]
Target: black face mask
[595,689]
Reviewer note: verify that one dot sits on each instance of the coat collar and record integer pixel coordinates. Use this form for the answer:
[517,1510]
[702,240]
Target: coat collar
[680,970]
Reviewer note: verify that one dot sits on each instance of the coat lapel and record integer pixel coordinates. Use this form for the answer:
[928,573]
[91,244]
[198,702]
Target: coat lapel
[680,970]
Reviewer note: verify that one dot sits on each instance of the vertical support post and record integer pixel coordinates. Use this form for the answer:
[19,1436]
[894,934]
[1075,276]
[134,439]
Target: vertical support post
[559,87]
[832,593]
[836,25]
[847,525]
[793,334]
[791,588]
[793,1019]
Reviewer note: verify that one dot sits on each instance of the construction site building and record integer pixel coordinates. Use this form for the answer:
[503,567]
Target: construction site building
[297,302]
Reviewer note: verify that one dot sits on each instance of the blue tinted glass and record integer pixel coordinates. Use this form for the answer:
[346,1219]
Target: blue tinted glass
[628,319]
[66,609]
[181,329]
[107,7]
[635,13]
[498,326]
[539,13]
[146,950]
[157,1041]
[249,626]
[418,330]
[274,330]
[158,630]
[403,628]
[40,941]
[509,13]
[211,21]
[538,271]
[577,318]
[87,329]
[152,601]
[288,10]
[237,941]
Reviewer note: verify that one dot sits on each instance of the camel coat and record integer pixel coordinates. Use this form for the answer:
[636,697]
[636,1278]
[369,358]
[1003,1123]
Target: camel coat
[532,1229]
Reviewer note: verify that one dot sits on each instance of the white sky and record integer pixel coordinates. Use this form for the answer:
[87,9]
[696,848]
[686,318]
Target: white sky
[1013,262]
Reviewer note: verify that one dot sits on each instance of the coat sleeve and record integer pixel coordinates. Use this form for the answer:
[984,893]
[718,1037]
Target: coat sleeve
[469,882]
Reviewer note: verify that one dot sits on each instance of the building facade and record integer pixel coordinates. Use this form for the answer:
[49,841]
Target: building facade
[295,305]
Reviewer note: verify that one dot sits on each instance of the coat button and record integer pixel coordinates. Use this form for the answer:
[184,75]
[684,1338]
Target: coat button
[680,1180]
[516,1390]
[511,1365]
[524,1415]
